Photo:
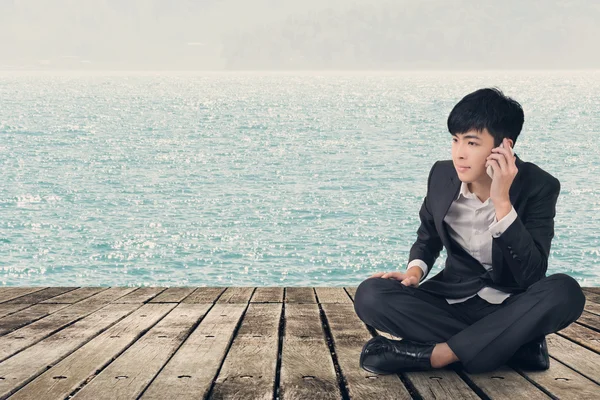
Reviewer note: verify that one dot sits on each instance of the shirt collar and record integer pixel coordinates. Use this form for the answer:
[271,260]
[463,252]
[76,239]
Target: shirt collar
[464,190]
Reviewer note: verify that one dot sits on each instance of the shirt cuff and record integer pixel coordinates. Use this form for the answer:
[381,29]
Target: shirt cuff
[419,263]
[498,227]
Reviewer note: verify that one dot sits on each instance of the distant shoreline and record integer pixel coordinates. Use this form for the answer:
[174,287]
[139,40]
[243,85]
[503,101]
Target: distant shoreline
[288,72]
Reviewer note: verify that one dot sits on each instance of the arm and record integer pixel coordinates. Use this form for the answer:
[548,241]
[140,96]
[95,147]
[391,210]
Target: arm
[428,245]
[526,245]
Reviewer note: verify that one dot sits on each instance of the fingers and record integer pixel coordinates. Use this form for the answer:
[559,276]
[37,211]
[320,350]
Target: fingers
[506,160]
[389,275]
[494,164]
[501,165]
[498,161]
[410,281]
[395,275]
[407,280]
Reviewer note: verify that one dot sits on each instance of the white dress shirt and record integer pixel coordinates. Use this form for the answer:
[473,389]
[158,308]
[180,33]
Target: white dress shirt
[472,224]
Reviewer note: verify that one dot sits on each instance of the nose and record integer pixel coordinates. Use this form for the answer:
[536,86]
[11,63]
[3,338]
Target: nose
[460,151]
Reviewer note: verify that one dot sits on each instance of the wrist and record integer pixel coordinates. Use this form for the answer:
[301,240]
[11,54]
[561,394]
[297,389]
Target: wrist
[502,209]
[415,270]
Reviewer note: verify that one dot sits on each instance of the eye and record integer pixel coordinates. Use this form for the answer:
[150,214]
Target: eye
[473,143]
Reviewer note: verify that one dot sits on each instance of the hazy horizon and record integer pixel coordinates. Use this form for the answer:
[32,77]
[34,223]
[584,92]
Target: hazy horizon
[284,35]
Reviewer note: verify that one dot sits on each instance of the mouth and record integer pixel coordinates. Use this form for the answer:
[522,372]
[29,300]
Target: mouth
[462,169]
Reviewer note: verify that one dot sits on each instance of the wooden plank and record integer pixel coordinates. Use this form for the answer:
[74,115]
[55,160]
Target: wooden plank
[332,295]
[11,293]
[41,295]
[349,335]
[27,316]
[584,336]
[173,295]
[132,371]
[504,382]
[563,382]
[582,360]
[38,330]
[76,295]
[190,373]
[204,295]
[592,307]
[236,295]
[250,367]
[591,296]
[307,369]
[590,320]
[268,295]
[8,309]
[31,362]
[141,295]
[441,383]
[70,373]
[300,295]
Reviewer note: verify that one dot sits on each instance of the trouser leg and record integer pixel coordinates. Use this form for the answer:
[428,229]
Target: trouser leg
[547,306]
[405,311]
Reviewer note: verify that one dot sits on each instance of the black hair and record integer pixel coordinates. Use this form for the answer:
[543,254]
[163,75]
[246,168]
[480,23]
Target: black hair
[487,108]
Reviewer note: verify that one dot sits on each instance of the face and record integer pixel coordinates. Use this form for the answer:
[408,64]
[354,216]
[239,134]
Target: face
[470,150]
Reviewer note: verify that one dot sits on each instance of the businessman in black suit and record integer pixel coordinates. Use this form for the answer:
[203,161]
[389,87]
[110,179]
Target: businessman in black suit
[492,303]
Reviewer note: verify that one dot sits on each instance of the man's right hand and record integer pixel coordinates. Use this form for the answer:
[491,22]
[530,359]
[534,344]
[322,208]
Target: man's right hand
[408,278]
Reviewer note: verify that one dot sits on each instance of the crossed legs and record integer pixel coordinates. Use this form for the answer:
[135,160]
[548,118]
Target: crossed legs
[480,335]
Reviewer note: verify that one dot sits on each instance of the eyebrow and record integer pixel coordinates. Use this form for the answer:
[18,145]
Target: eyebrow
[470,137]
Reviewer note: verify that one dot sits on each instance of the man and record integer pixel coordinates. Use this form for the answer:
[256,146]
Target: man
[492,303]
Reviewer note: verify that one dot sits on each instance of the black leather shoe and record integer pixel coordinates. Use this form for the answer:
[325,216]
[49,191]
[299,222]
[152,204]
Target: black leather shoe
[381,355]
[532,355]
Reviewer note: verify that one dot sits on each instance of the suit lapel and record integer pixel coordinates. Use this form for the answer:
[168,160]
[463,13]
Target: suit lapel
[450,191]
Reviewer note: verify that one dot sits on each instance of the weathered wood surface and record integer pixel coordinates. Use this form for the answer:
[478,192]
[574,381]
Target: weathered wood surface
[243,343]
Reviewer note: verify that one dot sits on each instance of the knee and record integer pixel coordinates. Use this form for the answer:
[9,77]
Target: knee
[364,297]
[566,291]
[367,299]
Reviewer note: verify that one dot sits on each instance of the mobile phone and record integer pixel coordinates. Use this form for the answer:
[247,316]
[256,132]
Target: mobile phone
[490,170]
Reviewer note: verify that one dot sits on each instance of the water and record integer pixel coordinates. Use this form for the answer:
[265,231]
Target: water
[260,179]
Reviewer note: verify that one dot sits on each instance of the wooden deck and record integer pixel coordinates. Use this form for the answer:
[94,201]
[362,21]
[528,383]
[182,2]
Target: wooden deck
[242,343]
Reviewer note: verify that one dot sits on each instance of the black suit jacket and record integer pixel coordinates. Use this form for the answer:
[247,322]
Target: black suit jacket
[519,255]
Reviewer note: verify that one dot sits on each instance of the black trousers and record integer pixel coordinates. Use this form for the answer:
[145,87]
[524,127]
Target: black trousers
[483,336]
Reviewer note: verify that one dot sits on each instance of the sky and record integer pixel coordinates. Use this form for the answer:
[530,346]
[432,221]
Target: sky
[234,35]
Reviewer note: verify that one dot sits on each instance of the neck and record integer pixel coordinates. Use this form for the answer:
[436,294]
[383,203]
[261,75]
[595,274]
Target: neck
[481,190]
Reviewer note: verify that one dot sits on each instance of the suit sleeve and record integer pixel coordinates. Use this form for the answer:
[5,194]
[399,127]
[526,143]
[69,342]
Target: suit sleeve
[428,245]
[525,243]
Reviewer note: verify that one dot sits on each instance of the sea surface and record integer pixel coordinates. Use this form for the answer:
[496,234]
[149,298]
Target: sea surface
[261,179]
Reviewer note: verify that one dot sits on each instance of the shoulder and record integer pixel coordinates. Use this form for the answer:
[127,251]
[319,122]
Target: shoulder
[442,169]
[537,177]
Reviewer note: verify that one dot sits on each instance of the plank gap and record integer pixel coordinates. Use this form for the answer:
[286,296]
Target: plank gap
[343,385]
[235,332]
[280,331]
